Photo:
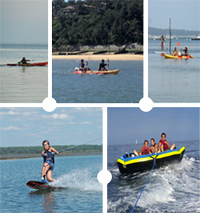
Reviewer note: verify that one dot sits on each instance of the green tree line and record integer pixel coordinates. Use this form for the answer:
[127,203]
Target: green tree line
[39,149]
[97,22]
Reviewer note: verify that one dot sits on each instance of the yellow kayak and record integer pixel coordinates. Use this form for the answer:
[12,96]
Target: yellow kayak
[96,72]
[177,57]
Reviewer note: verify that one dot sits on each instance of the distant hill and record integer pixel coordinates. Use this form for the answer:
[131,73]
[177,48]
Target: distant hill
[158,32]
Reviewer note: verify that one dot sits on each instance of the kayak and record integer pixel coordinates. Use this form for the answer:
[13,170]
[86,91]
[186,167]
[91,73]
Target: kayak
[177,57]
[30,64]
[96,72]
[129,164]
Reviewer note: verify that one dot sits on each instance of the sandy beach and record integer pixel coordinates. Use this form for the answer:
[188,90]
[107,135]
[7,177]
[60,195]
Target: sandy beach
[88,56]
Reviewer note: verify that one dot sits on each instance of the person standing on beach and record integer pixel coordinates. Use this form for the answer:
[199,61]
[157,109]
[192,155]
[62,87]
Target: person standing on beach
[162,43]
[48,156]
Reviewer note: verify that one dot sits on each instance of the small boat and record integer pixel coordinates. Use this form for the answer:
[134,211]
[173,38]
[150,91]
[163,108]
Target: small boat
[196,38]
[177,57]
[29,64]
[96,72]
[129,165]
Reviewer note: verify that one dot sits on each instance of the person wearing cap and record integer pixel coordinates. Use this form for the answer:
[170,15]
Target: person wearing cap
[102,66]
[186,51]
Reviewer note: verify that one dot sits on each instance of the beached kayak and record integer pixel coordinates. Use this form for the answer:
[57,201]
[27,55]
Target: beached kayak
[97,72]
[177,57]
[30,64]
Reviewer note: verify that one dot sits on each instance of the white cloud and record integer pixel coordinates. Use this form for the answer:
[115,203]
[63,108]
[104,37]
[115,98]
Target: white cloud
[60,116]
[10,128]
[80,123]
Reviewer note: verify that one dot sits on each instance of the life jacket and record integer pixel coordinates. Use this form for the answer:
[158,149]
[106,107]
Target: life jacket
[153,145]
[49,155]
[82,65]
[145,150]
[164,143]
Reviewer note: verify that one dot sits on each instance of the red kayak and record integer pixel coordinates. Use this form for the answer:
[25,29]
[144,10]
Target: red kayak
[30,64]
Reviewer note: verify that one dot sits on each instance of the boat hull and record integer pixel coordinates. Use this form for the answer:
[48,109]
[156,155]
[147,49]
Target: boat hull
[30,64]
[34,64]
[97,72]
[177,57]
[131,165]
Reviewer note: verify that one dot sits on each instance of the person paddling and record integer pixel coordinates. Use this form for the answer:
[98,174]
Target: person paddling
[82,66]
[102,66]
[186,51]
[24,60]
[48,165]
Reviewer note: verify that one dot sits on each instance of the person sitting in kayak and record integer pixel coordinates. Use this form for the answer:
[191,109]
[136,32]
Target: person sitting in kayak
[102,66]
[144,150]
[186,51]
[176,52]
[24,61]
[164,144]
[82,66]
[48,156]
[154,146]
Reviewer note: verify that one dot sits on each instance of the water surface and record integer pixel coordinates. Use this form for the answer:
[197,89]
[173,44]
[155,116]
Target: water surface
[173,188]
[78,174]
[23,84]
[125,87]
[174,80]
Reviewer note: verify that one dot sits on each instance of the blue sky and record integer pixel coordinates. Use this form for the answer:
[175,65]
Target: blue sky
[24,21]
[64,126]
[184,14]
[125,125]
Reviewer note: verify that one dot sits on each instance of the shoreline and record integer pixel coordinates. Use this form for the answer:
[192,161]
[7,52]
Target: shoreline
[38,155]
[99,57]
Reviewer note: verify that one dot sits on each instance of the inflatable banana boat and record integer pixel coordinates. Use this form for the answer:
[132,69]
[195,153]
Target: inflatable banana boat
[129,164]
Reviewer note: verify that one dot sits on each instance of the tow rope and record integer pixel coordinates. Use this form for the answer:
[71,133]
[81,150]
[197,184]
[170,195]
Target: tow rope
[154,164]
[73,146]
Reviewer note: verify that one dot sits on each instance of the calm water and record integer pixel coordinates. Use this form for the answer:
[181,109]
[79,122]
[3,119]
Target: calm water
[78,174]
[126,87]
[174,188]
[174,80]
[23,84]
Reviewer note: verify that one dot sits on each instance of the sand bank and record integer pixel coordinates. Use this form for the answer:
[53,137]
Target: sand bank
[117,57]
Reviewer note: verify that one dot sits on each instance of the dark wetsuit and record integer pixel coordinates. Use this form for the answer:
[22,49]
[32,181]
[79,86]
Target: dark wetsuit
[102,66]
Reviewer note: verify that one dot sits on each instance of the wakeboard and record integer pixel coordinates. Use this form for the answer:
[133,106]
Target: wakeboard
[40,185]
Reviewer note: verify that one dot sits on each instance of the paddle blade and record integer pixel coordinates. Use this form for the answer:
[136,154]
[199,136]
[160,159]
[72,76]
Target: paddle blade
[178,44]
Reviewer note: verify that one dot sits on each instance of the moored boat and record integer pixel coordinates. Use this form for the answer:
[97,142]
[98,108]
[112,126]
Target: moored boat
[129,165]
[96,72]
